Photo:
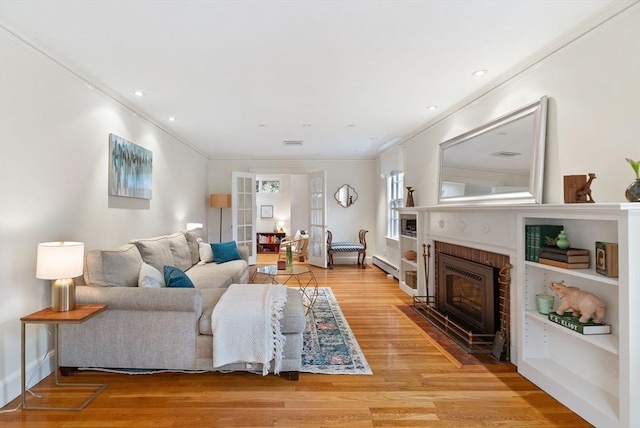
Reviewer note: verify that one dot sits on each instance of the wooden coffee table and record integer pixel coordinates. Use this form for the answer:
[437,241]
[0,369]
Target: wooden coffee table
[302,274]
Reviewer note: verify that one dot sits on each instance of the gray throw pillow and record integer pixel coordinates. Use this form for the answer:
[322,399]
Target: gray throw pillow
[121,267]
[155,251]
[192,239]
[180,251]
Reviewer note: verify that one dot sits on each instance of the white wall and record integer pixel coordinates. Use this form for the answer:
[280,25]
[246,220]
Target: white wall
[594,111]
[344,223]
[53,186]
[280,201]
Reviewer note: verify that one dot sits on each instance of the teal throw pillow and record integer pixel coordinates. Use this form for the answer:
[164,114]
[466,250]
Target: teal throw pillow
[175,278]
[225,252]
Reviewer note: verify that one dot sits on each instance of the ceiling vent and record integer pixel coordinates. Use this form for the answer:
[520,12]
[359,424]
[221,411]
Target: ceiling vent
[291,143]
[506,154]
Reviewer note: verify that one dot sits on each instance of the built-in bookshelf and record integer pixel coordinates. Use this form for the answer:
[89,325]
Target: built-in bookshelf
[409,268]
[590,374]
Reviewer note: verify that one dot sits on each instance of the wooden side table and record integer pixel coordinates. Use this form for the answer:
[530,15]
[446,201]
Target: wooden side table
[47,316]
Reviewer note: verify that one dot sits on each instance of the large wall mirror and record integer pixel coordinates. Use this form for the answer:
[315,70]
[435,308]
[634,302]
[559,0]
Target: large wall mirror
[501,162]
[346,196]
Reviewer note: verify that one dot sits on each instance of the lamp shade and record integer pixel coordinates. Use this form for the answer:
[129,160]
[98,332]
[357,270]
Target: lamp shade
[58,260]
[219,200]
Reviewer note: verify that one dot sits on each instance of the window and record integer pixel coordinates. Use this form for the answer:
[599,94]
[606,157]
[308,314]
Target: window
[395,193]
[267,186]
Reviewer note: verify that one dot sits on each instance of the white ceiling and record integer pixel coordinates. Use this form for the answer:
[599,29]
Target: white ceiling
[241,77]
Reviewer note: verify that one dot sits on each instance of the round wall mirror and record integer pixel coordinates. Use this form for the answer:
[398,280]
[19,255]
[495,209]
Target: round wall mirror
[346,195]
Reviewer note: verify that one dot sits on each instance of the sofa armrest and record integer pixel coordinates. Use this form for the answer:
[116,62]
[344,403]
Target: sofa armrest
[244,252]
[142,299]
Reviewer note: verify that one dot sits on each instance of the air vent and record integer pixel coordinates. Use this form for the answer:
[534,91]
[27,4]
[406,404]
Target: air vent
[506,154]
[292,142]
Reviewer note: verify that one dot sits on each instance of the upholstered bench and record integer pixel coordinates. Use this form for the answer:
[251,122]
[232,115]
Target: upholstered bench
[344,247]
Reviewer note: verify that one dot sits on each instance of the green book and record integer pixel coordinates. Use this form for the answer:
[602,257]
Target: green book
[567,320]
[541,235]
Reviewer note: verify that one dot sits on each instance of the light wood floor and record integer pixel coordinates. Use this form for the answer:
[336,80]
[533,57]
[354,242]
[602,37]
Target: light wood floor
[413,384]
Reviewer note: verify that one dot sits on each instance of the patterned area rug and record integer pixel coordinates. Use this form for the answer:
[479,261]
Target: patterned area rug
[329,344]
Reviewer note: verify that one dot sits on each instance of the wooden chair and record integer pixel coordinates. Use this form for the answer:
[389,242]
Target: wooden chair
[343,247]
[299,247]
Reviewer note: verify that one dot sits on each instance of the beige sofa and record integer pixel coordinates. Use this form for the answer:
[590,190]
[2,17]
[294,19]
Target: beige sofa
[162,328]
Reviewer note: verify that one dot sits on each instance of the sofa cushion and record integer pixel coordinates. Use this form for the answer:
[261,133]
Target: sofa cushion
[155,251]
[212,275]
[192,237]
[113,268]
[225,252]
[180,251]
[175,278]
[150,277]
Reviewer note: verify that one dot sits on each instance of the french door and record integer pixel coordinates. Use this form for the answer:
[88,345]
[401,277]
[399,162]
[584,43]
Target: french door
[243,211]
[318,219]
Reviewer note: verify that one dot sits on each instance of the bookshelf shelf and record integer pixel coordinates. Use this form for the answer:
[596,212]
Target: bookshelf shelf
[578,273]
[608,342]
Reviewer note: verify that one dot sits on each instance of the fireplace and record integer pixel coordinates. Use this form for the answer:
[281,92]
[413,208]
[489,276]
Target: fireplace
[468,293]
[471,297]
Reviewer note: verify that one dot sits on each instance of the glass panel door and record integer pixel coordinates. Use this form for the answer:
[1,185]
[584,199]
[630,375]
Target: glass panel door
[317,219]
[243,209]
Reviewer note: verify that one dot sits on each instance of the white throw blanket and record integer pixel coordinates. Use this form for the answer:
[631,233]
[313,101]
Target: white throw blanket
[246,325]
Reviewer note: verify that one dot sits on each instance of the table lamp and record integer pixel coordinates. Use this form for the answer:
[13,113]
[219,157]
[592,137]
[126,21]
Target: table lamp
[281,225]
[60,262]
[221,201]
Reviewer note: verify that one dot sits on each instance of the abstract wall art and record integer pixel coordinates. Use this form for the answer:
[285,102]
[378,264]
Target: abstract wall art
[129,169]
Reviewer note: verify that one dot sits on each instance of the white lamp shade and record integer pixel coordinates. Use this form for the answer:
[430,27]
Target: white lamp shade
[59,260]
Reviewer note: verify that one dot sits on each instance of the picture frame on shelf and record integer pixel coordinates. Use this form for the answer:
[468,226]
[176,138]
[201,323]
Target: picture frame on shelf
[266,211]
[607,259]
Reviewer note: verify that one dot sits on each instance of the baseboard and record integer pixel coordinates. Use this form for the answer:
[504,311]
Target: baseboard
[386,266]
[11,386]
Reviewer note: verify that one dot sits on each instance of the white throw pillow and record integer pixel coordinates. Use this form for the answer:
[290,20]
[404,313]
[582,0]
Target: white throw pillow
[150,277]
[206,252]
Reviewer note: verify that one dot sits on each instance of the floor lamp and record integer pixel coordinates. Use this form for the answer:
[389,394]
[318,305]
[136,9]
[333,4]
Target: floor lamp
[219,200]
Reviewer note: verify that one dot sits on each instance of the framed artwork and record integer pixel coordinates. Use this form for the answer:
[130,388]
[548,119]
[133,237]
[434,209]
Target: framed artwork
[129,169]
[266,211]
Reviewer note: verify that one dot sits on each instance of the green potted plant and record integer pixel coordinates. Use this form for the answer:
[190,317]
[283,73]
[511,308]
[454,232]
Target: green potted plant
[633,191]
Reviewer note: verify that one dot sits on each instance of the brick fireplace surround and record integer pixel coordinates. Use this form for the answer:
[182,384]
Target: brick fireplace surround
[486,258]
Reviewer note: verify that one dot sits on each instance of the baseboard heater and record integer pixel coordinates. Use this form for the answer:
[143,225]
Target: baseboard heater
[386,266]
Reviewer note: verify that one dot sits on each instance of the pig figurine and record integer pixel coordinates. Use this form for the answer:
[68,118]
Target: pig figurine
[584,304]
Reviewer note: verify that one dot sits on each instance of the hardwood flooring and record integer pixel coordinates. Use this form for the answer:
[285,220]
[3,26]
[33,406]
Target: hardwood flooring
[413,384]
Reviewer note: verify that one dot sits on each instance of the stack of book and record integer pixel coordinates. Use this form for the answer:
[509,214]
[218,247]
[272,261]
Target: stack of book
[569,258]
[537,236]
[567,320]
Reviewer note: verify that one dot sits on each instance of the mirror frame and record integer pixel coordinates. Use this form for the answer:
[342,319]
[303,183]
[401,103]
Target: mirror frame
[536,172]
[350,190]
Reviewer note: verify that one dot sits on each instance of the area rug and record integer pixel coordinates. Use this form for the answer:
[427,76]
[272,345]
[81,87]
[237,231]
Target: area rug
[329,344]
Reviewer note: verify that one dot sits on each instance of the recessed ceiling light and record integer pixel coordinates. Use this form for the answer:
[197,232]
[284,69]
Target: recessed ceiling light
[172,119]
[262,125]
[432,107]
[306,125]
[138,94]
[479,72]
[351,125]
[373,138]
